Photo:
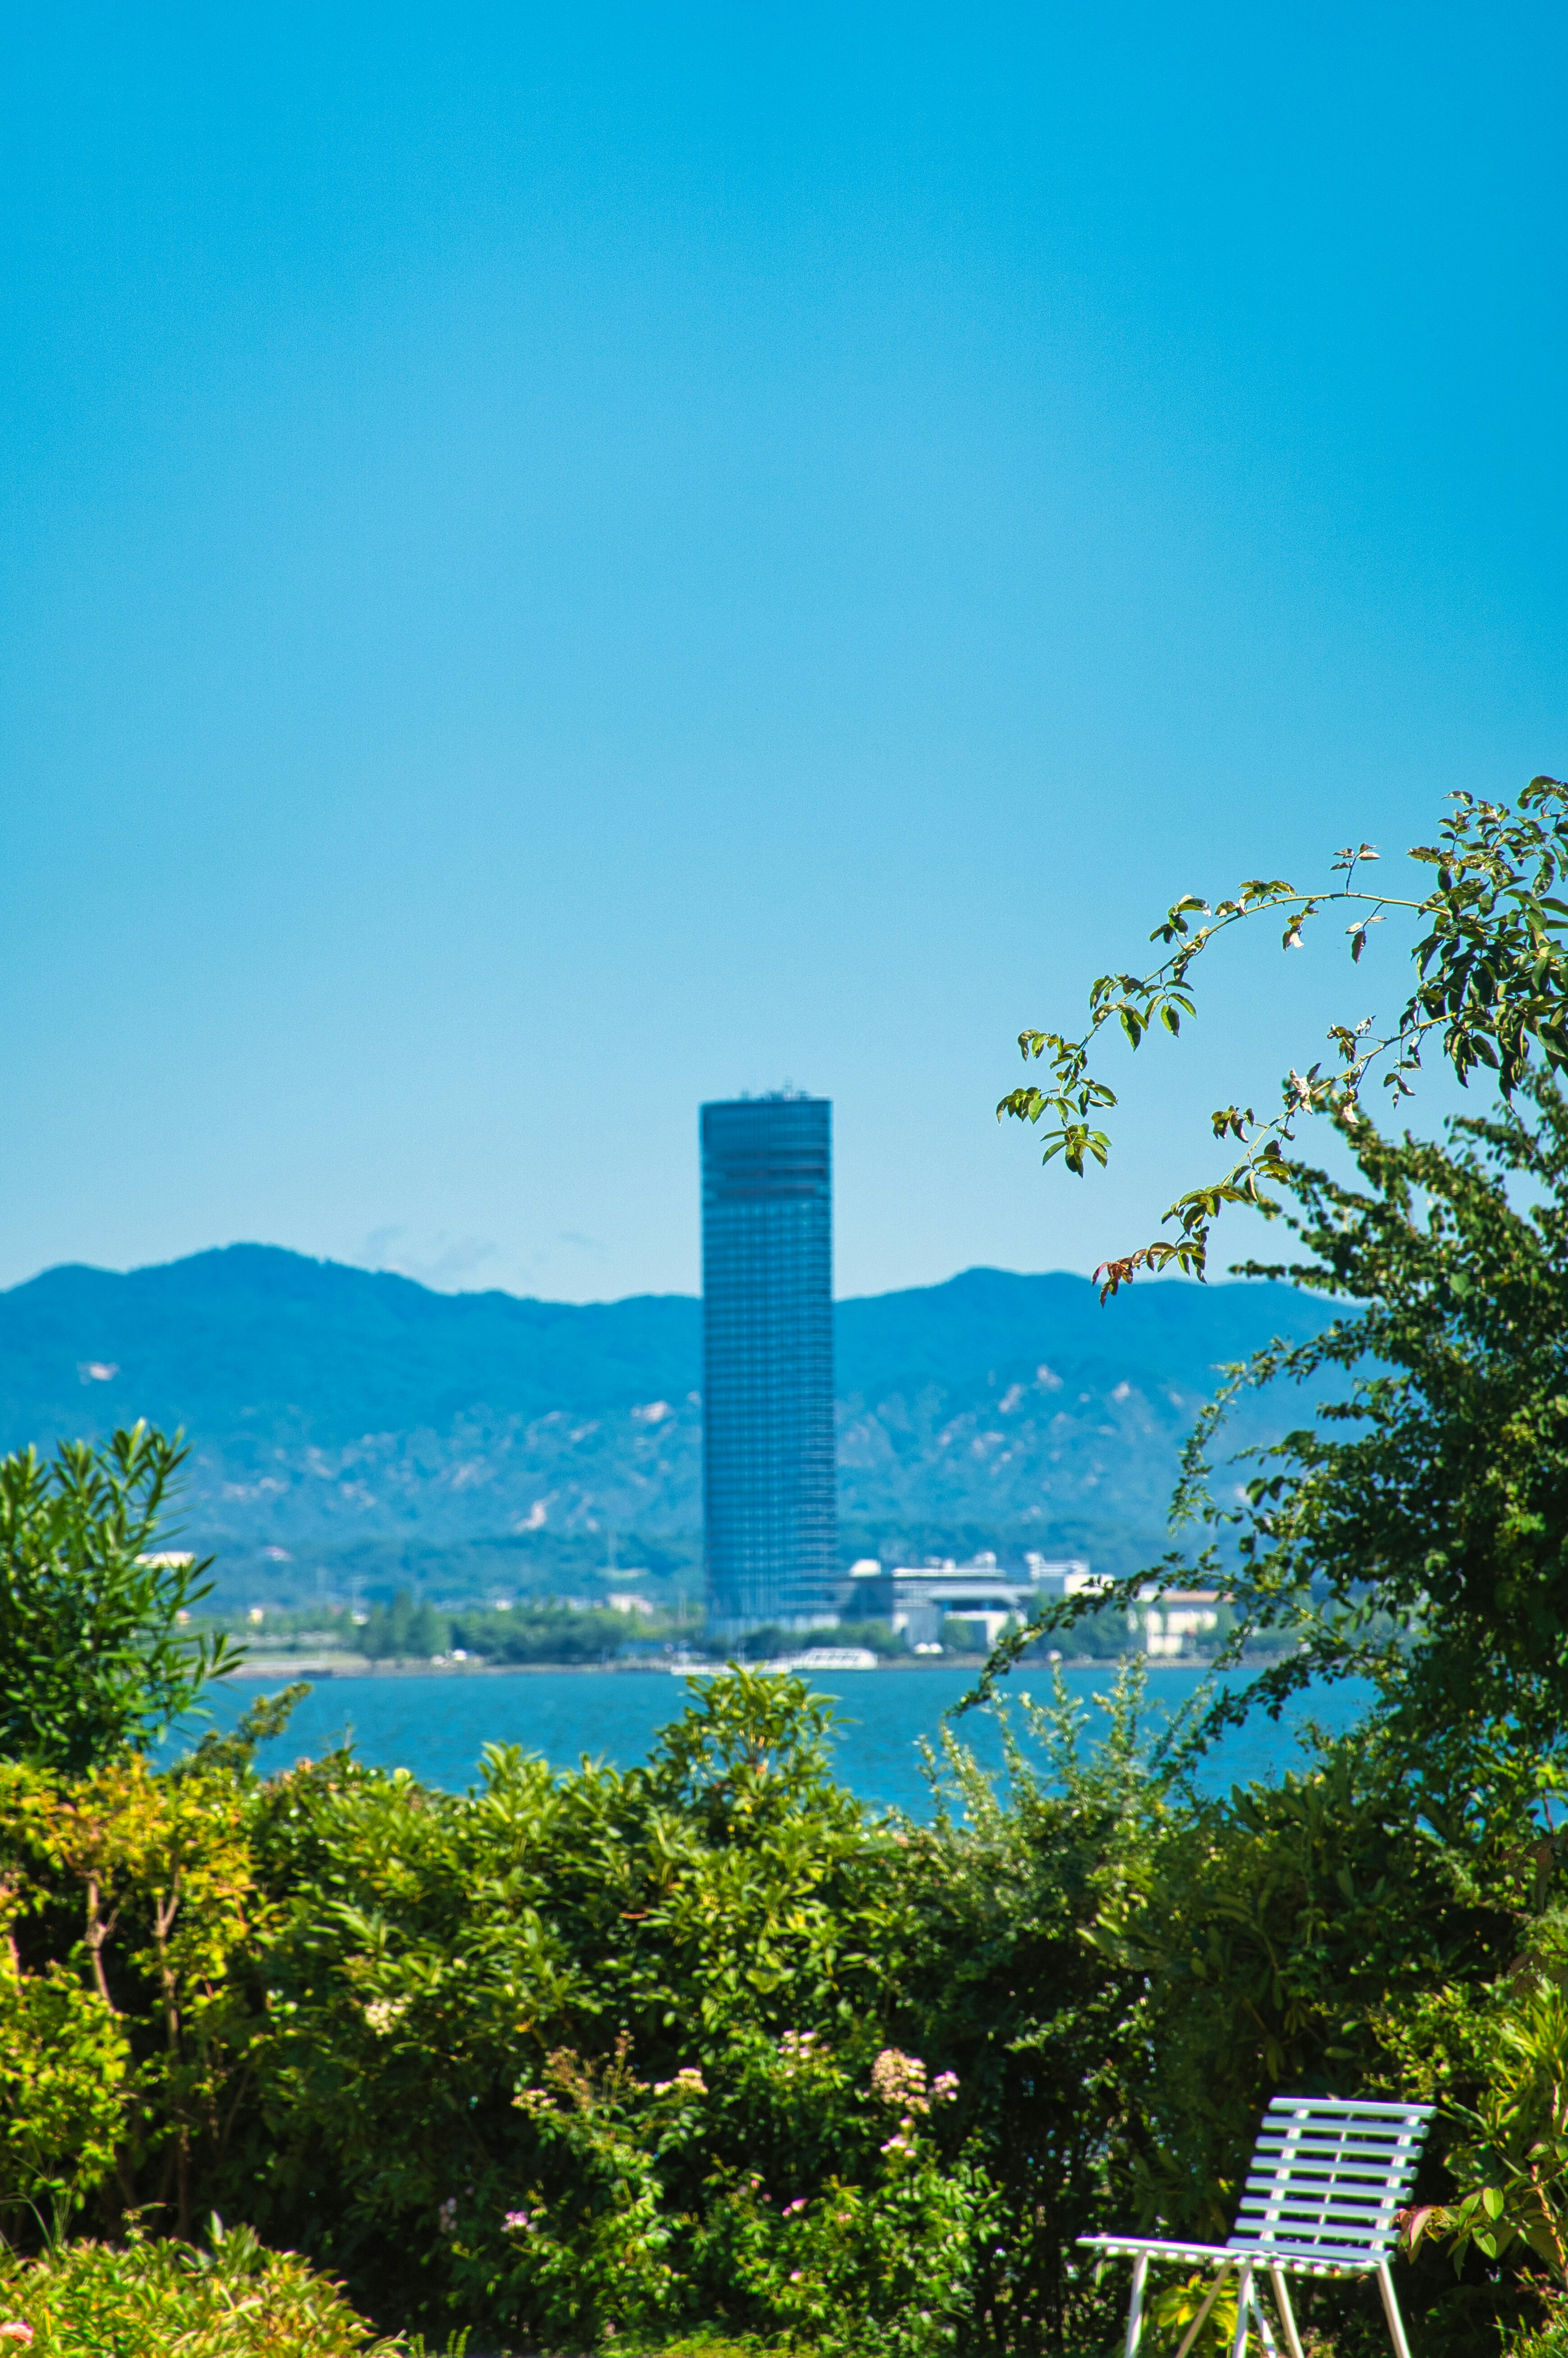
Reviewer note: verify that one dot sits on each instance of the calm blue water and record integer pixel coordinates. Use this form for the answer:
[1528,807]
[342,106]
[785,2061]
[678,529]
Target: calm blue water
[437,1725]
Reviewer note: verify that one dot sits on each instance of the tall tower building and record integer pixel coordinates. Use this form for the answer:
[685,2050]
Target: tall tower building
[769,1498]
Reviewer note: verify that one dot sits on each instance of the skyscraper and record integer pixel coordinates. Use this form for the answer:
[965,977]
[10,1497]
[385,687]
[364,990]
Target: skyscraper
[769,1493]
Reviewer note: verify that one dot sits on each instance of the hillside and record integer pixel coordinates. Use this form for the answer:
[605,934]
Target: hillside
[336,1413]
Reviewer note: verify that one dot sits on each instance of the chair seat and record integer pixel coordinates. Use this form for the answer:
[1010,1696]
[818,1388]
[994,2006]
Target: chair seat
[1300,2259]
[1310,2259]
[1152,2243]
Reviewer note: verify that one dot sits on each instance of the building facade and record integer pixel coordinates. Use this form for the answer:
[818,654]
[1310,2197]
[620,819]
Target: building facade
[919,1600]
[770,1498]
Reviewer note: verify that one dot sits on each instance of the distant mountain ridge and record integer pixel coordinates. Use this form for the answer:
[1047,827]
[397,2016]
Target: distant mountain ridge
[328,1405]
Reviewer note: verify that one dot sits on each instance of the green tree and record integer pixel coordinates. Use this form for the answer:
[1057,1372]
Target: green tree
[1491,987]
[404,1630]
[1415,1532]
[94,1655]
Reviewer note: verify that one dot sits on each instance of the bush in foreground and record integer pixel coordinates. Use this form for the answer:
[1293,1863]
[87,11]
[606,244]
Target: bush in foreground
[147,2298]
[588,2057]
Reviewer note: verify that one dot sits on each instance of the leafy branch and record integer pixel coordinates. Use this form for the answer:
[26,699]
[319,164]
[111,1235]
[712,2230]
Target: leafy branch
[96,1655]
[1491,980]
[1412,1529]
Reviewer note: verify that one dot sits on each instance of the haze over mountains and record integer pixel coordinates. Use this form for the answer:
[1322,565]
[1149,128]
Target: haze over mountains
[350,1423]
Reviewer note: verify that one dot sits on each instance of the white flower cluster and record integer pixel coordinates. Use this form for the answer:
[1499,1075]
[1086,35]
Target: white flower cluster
[795,2050]
[899,2080]
[687,2082]
[384,2013]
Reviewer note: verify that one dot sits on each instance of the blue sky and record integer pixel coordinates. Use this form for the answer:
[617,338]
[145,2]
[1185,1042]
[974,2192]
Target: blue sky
[563,562]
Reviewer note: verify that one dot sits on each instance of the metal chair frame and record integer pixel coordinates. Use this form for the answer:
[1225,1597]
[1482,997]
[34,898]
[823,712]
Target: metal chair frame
[1328,2178]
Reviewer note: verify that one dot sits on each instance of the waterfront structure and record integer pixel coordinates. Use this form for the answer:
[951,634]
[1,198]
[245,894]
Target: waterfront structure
[1178,1623]
[769,1499]
[917,1600]
[1069,1577]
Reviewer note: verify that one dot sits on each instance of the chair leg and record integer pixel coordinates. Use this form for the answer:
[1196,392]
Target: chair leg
[1243,2311]
[1265,2330]
[1287,2314]
[1391,2310]
[1135,2307]
[1195,2328]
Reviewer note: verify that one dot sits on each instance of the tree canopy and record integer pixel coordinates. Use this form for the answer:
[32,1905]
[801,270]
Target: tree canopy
[1415,1530]
[94,1655]
[1490,984]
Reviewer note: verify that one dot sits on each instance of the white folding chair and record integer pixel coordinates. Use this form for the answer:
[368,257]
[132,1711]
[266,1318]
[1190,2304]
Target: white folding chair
[1329,2177]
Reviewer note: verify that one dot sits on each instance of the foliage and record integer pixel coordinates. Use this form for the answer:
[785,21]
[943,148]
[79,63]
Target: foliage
[416,1631]
[880,1637]
[1131,1971]
[94,1658]
[595,2253]
[232,2300]
[588,1937]
[65,2063]
[1550,2340]
[888,2268]
[1005,1985]
[404,1630]
[1415,1533]
[578,2058]
[128,1898]
[1174,2309]
[1491,981]
[551,1632]
[1274,1933]
[963,1635]
[1505,2047]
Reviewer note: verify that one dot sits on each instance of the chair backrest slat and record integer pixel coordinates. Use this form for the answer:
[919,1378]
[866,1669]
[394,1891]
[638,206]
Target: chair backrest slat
[1330,2175]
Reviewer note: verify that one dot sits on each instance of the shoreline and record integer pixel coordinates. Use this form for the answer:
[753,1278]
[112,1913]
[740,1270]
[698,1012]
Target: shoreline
[359,1666]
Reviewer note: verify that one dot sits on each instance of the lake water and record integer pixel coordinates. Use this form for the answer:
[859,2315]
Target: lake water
[437,1724]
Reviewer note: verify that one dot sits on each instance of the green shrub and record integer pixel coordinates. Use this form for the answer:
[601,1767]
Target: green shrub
[95,1654]
[125,1898]
[575,2057]
[889,2269]
[585,1945]
[592,2248]
[1550,2340]
[65,2063]
[149,2299]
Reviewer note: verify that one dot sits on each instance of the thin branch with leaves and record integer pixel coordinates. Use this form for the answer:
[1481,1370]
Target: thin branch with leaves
[1491,982]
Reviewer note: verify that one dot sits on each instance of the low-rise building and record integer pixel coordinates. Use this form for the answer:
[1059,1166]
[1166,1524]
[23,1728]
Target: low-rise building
[1171,1625]
[1062,1576]
[917,1599]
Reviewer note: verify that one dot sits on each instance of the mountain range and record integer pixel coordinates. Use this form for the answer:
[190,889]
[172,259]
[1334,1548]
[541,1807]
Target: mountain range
[343,1421]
